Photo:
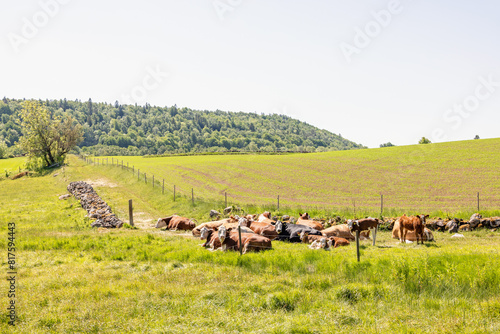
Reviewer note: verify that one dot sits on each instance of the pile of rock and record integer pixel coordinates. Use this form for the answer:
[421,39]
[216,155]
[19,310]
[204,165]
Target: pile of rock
[97,209]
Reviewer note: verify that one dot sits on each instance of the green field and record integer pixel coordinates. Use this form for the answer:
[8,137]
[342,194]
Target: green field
[9,167]
[75,279]
[429,178]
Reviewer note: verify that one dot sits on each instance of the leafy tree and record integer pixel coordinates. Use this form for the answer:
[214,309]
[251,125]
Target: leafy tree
[476,137]
[47,138]
[424,141]
[3,149]
[389,144]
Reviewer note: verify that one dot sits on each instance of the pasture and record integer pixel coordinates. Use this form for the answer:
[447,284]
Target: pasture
[10,167]
[73,278]
[439,178]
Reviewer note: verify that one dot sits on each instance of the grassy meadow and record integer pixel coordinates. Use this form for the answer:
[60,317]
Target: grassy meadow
[442,178]
[75,279]
[9,167]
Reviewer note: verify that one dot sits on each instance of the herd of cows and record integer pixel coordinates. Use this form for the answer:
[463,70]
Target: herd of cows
[256,232]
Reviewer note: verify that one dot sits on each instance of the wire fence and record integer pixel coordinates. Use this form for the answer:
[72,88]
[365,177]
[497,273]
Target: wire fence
[355,204]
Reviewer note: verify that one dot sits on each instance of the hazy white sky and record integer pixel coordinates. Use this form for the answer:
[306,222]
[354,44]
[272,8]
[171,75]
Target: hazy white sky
[373,71]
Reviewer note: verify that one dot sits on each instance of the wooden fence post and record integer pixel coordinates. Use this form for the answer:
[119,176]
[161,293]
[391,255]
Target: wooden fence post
[239,234]
[381,204]
[278,202]
[130,213]
[357,244]
[145,179]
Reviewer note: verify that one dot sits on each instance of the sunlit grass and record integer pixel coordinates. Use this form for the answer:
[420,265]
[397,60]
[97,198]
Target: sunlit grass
[73,278]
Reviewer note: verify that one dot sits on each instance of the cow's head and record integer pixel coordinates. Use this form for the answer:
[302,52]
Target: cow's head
[323,243]
[162,222]
[304,216]
[204,233]
[279,226]
[423,217]
[222,233]
[243,222]
[191,224]
[352,223]
[267,214]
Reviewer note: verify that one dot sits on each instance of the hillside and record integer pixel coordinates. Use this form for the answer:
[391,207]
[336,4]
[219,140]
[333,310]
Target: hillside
[139,130]
[76,279]
[433,177]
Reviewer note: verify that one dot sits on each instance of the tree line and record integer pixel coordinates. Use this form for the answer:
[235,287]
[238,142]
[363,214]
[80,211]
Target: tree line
[116,129]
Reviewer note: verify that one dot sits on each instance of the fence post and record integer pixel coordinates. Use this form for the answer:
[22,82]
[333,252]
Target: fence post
[122,164]
[381,204]
[163,187]
[130,212]
[278,202]
[478,201]
[239,234]
[357,244]
[145,179]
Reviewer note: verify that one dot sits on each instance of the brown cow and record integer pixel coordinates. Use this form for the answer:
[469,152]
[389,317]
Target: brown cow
[410,236]
[176,223]
[413,223]
[305,219]
[341,231]
[212,239]
[339,242]
[363,225]
[210,225]
[250,242]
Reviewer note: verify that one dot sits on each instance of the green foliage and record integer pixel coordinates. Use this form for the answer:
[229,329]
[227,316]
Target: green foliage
[389,144]
[424,141]
[3,149]
[47,138]
[114,129]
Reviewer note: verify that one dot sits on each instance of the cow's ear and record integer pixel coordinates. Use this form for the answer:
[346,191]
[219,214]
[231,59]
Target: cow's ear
[426,216]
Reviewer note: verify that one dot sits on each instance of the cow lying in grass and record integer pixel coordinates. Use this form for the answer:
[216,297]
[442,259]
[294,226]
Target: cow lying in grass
[210,225]
[250,242]
[211,237]
[413,223]
[176,223]
[305,219]
[291,232]
[341,231]
[309,239]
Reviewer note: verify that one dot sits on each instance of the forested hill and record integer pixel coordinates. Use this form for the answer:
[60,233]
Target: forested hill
[140,130]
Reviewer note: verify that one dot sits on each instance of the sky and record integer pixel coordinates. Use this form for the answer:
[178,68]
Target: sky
[373,71]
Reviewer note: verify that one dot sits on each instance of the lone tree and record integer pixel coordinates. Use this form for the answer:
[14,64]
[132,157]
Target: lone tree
[424,141]
[47,138]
